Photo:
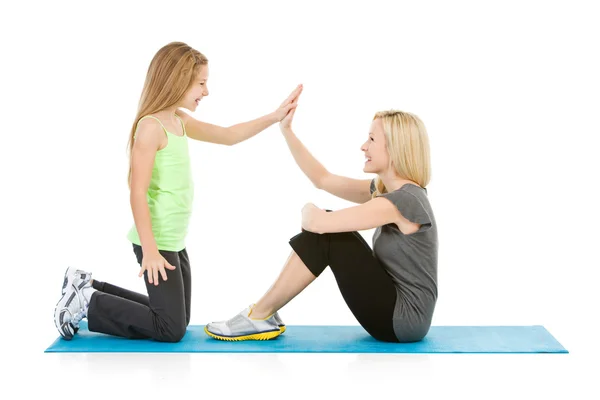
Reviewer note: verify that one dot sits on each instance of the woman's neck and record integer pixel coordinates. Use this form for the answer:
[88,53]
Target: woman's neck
[393,182]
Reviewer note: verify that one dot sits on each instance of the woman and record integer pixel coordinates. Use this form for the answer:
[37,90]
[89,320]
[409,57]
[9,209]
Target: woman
[392,289]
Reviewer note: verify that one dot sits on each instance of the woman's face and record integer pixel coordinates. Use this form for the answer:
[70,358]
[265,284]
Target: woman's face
[377,158]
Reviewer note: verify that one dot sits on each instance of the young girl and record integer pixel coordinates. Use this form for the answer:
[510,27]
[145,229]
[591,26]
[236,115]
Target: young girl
[392,289]
[161,188]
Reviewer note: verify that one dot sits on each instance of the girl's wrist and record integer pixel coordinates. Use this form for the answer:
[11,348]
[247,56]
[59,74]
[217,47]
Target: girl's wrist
[273,118]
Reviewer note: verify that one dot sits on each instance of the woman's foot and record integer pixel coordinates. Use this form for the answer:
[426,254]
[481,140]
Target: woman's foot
[279,322]
[278,319]
[243,327]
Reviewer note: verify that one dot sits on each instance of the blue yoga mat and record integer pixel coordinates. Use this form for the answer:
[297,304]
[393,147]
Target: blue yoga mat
[329,339]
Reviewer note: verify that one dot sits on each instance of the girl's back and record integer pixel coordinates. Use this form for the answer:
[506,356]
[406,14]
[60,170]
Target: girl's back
[170,192]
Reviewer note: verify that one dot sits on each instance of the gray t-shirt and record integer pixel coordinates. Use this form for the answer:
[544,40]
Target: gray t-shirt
[411,261]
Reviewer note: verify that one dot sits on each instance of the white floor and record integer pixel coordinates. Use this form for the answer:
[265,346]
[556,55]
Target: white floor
[249,376]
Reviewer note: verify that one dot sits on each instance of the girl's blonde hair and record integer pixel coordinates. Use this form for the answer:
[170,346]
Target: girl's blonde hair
[172,71]
[408,147]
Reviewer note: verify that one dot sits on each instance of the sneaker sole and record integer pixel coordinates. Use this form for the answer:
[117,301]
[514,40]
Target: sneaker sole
[256,336]
[69,271]
[66,329]
[281,328]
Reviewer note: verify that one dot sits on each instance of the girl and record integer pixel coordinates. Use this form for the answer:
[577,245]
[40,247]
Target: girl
[392,289]
[161,196]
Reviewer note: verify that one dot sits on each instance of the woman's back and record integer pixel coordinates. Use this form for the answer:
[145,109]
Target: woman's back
[411,260]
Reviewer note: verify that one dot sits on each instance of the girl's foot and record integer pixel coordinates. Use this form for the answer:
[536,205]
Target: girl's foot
[77,277]
[70,310]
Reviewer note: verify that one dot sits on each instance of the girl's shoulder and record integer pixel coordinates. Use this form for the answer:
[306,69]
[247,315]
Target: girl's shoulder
[149,128]
[149,120]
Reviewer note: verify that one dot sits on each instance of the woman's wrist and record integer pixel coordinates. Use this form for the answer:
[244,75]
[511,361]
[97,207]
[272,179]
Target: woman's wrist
[286,130]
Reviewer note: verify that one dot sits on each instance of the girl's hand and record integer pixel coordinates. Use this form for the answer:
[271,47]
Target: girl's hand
[155,263]
[309,212]
[286,122]
[288,104]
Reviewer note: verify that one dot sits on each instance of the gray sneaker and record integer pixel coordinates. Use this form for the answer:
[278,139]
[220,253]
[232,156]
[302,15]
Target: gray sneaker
[279,322]
[241,327]
[70,310]
[277,319]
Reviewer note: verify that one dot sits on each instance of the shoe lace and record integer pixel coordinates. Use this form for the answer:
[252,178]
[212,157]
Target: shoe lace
[78,317]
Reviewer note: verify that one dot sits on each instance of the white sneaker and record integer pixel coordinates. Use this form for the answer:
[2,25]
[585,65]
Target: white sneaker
[70,310]
[242,327]
[79,277]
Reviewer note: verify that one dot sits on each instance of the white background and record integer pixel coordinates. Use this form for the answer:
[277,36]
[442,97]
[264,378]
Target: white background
[507,90]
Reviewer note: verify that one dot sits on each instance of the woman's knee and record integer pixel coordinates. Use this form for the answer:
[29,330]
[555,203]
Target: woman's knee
[173,332]
[413,335]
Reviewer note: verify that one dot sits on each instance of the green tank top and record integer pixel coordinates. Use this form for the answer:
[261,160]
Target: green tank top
[170,193]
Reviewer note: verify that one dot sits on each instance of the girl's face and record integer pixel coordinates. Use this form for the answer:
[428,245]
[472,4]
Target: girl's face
[377,158]
[197,91]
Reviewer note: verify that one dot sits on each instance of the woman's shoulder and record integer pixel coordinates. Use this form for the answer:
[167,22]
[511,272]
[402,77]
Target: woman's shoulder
[407,189]
[417,192]
[413,189]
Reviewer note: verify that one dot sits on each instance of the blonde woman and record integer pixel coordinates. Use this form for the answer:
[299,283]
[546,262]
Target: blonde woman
[392,288]
[162,190]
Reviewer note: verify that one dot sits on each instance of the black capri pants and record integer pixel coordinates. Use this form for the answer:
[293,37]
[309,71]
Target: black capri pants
[365,285]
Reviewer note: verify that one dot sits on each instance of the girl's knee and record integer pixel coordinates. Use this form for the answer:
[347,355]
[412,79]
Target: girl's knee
[173,334]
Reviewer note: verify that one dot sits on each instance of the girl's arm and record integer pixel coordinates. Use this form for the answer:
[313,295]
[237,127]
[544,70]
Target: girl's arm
[228,136]
[355,190]
[144,150]
[237,133]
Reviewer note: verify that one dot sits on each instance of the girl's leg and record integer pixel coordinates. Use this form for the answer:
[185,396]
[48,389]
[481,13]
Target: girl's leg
[365,286]
[186,274]
[120,292]
[142,298]
[162,319]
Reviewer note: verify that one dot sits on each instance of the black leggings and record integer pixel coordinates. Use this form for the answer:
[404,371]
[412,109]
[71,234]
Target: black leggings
[366,287]
[163,315]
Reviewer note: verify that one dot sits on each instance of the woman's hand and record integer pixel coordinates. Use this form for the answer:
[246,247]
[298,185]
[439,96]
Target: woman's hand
[310,213]
[286,122]
[288,104]
[154,263]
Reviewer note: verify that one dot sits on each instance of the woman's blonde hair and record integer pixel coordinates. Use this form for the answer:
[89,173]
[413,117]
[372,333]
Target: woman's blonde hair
[172,71]
[407,145]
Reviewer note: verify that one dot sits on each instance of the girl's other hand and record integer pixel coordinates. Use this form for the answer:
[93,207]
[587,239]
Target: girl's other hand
[155,263]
